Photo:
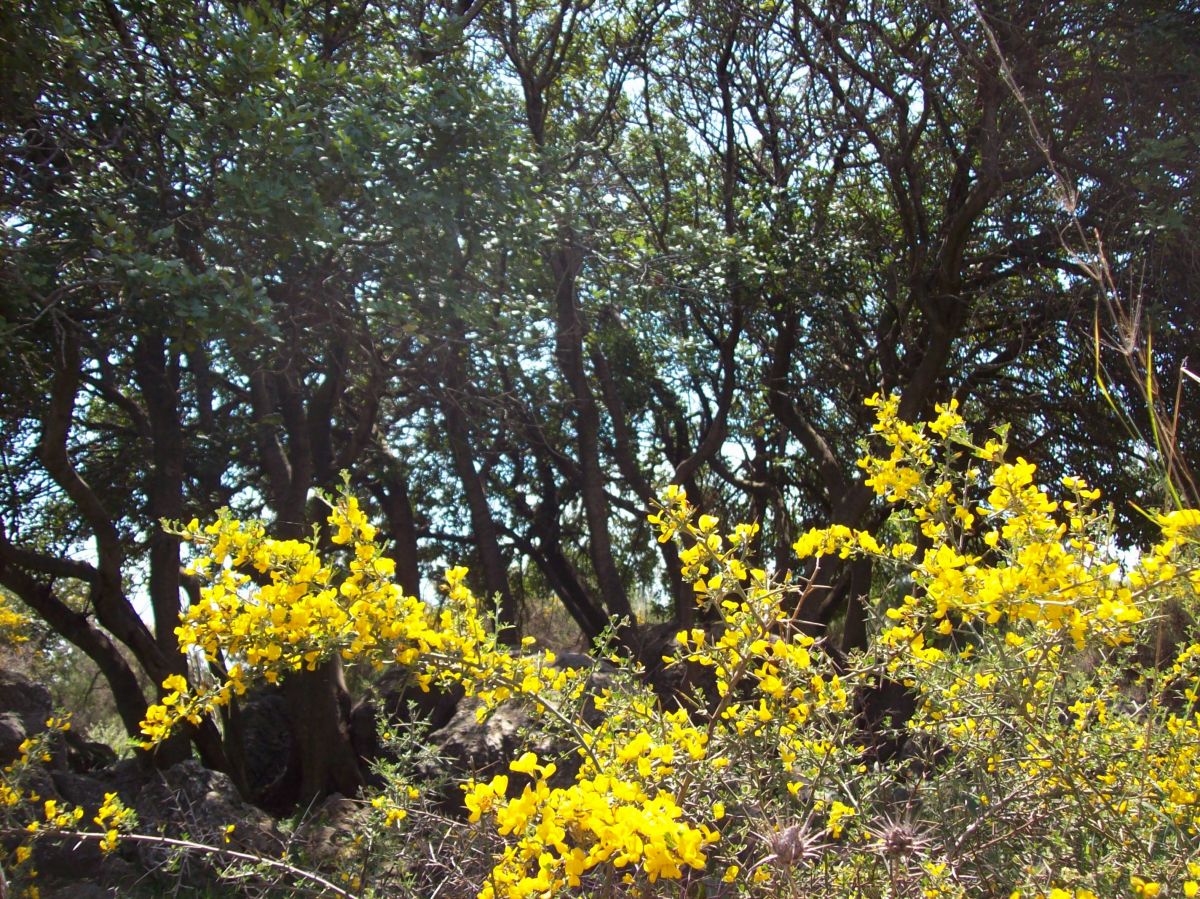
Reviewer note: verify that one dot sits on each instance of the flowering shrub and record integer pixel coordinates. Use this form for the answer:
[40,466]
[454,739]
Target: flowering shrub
[1057,761]
[1023,721]
[13,624]
[1042,755]
[25,814]
[272,607]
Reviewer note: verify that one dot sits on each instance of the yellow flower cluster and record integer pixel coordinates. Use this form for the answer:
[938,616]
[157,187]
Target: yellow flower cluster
[13,623]
[611,815]
[270,608]
[1041,559]
[1015,630]
[113,818]
[1017,633]
[392,808]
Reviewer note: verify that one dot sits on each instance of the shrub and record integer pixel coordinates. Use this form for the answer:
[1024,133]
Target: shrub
[1044,743]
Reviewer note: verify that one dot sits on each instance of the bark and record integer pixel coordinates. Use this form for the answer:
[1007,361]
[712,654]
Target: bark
[391,491]
[158,380]
[682,597]
[113,609]
[483,528]
[565,263]
[564,580]
[560,572]
[323,759]
[544,523]
[318,708]
[157,374]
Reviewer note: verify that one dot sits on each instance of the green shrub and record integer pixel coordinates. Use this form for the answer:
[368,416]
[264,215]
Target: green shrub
[1023,721]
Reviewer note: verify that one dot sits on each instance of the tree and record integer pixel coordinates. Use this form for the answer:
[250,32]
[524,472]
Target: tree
[514,268]
[209,223]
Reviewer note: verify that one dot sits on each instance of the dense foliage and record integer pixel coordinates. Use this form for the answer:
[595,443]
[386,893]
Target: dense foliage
[514,268]
[1043,753]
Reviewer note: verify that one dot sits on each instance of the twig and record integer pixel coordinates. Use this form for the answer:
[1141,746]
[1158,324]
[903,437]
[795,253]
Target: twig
[211,850]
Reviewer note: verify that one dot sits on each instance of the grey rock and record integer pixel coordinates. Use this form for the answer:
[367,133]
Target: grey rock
[187,801]
[12,735]
[30,701]
[686,685]
[24,708]
[76,890]
[326,836]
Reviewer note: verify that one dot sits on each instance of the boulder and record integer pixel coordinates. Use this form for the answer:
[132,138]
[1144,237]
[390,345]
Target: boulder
[398,701]
[84,755]
[12,735]
[24,708]
[402,700]
[72,867]
[467,747]
[326,836]
[190,802]
[686,685]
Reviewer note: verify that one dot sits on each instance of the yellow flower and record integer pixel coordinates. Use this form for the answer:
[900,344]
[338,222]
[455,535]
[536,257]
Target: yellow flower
[526,764]
[838,813]
[481,798]
[1142,887]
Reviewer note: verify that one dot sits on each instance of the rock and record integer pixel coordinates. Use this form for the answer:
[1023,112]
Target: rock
[81,789]
[326,837]
[84,755]
[882,710]
[687,685]
[267,739]
[466,747]
[188,801]
[73,863]
[80,861]
[476,748]
[403,701]
[398,701]
[12,735]
[72,889]
[24,708]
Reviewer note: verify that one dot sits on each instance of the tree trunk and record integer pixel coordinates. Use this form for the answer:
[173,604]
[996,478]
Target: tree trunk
[318,708]
[157,378]
[483,528]
[683,598]
[391,490]
[322,760]
[566,263]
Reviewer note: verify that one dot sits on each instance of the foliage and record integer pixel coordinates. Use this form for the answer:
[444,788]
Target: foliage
[1049,745]
[14,624]
[513,266]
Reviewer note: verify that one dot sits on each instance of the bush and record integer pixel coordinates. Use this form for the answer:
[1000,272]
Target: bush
[1023,721]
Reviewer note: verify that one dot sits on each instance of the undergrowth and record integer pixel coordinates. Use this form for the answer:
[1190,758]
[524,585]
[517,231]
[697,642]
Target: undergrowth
[1022,722]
